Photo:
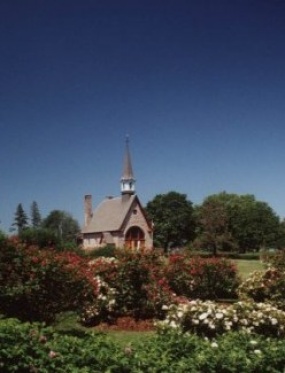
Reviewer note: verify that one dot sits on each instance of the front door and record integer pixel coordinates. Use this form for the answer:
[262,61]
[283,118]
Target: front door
[135,238]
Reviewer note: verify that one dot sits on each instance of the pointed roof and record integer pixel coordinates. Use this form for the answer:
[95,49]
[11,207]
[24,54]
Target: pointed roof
[127,170]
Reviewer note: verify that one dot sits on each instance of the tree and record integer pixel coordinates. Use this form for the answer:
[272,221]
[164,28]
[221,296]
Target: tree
[62,224]
[213,226]
[35,215]
[172,215]
[21,219]
[43,238]
[251,224]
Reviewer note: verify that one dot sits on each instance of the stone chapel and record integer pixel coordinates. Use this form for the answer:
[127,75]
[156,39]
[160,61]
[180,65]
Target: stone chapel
[119,221]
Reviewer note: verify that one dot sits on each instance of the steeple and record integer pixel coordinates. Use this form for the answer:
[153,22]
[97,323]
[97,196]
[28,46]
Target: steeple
[127,180]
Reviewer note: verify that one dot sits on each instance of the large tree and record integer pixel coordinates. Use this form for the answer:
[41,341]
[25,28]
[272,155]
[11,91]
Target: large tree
[62,224]
[172,215]
[251,224]
[21,219]
[213,231]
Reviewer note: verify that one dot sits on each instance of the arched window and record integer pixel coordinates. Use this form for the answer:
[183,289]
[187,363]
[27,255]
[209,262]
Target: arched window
[135,238]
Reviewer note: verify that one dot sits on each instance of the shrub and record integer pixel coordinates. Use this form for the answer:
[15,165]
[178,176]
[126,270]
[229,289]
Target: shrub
[275,260]
[204,278]
[108,251]
[138,282]
[36,284]
[267,286]
[211,319]
[34,348]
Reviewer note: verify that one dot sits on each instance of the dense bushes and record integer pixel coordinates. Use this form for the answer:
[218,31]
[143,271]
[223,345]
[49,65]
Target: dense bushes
[32,348]
[37,284]
[203,278]
[139,284]
[134,284]
[269,285]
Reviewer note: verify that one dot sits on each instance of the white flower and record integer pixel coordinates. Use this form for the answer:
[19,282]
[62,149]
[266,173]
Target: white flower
[203,316]
[219,315]
[253,343]
[173,324]
[164,307]
[214,345]
[274,321]
[257,352]
[180,314]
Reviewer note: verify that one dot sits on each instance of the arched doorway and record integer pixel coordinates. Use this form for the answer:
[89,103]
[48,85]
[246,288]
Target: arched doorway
[134,238]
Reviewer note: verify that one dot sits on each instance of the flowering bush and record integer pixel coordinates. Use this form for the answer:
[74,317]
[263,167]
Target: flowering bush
[203,278]
[275,260]
[267,286]
[138,283]
[37,284]
[211,319]
[103,307]
[29,348]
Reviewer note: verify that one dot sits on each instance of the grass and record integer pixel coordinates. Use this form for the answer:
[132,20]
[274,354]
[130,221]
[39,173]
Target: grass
[246,267]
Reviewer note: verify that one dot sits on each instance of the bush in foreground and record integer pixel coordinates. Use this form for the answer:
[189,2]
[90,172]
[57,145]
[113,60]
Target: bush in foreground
[30,348]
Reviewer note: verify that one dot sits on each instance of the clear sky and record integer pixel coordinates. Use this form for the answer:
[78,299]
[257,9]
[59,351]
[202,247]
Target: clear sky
[199,86]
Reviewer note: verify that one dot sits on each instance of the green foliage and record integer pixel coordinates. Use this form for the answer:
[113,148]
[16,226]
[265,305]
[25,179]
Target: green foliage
[172,215]
[63,225]
[238,221]
[30,348]
[108,251]
[36,218]
[204,278]
[33,348]
[3,237]
[213,227]
[41,237]
[38,284]
[21,219]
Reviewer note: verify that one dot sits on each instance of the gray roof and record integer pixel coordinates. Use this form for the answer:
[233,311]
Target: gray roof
[128,169]
[110,214]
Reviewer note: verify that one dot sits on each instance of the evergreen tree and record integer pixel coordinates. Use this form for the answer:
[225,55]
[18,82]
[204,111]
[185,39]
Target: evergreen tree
[21,219]
[36,218]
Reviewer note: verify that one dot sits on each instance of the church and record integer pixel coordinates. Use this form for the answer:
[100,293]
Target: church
[119,221]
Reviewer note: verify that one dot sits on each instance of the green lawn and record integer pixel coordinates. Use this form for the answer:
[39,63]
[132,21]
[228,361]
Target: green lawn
[126,338]
[246,267]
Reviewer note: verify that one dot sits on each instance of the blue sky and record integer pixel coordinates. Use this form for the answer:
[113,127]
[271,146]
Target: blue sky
[199,86]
